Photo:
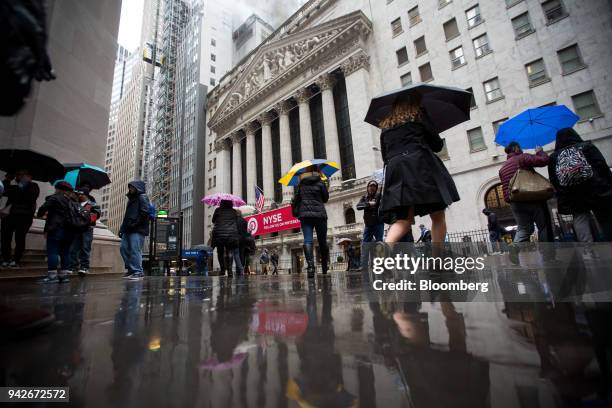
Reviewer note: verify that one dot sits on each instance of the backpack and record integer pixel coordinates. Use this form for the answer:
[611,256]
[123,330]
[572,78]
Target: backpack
[79,217]
[264,259]
[152,211]
[572,167]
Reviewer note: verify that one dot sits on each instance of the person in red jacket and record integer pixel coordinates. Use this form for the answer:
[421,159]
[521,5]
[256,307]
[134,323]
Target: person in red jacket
[526,213]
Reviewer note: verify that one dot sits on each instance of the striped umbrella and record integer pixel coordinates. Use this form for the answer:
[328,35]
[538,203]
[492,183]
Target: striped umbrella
[325,167]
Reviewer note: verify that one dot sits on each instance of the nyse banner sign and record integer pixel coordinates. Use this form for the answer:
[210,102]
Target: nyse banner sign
[272,221]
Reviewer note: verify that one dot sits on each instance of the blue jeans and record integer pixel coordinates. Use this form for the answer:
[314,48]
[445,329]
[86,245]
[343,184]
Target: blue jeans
[373,231]
[58,248]
[81,250]
[528,213]
[309,225]
[131,251]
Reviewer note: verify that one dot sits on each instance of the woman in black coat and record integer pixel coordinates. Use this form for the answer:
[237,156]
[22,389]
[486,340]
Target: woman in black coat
[226,237]
[592,192]
[416,180]
[309,207]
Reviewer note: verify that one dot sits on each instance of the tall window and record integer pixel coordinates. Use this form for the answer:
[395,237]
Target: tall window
[457,58]
[450,29]
[473,16]
[318,130]
[213,42]
[473,100]
[406,79]
[402,56]
[492,90]
[343,121]
[349,216]
[212,69]
[213,57]
[554,10]
[396,26]
[570,59]
[586,105]
[481,45]
[476,139]
[522,25]
[294,131]
[497,124]
[414,16]
[425,72]
[420,46]
[536,72]
[276,167]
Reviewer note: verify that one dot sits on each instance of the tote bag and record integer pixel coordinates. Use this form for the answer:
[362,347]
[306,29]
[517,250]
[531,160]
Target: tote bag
[528,185]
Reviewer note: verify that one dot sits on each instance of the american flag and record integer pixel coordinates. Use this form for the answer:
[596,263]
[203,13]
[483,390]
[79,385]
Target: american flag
[259,198]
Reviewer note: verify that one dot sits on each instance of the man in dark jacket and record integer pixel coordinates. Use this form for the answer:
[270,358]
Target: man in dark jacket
[374,226]
[526,213]
[583,183]
[56,211]
[80,251]
[134,229]
[308,205]
[226,237]
[274,262]
[495,230]
[22,199]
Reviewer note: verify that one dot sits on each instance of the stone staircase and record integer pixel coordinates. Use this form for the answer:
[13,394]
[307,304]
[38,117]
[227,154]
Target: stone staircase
[34,264]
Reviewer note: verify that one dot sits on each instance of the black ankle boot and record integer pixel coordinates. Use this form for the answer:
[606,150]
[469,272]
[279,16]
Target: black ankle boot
[308,254]
[324,259]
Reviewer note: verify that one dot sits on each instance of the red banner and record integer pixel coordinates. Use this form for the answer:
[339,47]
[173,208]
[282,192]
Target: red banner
[272,221]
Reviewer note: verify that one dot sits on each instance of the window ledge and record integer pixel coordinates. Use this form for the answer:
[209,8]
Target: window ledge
[477,24]
[440,7]
[485,54]
[412,24]
[513,4]
[423,53]
[525,34]
[601,115]
[557,19]
[574,70]
[452,38]
[459,66]
[540,82]
[478,150]
[397,34]
[429,80]
[403,64]
[495,100]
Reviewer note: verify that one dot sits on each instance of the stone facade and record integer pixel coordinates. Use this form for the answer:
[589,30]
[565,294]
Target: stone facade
[328,40]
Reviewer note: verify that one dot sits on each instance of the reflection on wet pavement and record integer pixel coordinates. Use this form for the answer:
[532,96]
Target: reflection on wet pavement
[282,342]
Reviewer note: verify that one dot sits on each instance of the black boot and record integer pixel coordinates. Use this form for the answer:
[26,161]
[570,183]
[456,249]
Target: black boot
[308,254]
[324,259]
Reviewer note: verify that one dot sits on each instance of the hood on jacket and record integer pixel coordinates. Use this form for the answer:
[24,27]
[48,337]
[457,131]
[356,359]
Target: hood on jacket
[370,183]
[567,137]
[139,185]
[312,179]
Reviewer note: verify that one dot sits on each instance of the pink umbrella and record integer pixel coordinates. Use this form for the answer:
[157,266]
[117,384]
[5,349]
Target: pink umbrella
[214,365]
[215,199]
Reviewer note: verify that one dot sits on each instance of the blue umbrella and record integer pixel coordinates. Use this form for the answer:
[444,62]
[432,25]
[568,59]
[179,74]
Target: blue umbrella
[83,173]
[536,127]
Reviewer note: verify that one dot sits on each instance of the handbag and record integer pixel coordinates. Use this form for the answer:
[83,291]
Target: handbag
[528,185]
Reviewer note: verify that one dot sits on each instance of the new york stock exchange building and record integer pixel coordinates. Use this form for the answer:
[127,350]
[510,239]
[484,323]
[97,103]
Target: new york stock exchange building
[304,92]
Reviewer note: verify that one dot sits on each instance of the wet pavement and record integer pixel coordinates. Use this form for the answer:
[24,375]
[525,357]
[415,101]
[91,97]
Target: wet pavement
[280,341]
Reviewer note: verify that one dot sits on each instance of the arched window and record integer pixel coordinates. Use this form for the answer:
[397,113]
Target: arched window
[494,200]
[349,216]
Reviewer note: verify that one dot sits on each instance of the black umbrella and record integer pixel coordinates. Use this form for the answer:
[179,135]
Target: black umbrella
[445,106]
[41,167]
[83,173]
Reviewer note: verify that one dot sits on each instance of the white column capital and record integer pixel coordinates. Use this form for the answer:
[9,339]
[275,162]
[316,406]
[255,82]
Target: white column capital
[283,107]
[236,137]
[221,145]
[250,128]
[355,62]
[302,95]
[326,81]
[265,118]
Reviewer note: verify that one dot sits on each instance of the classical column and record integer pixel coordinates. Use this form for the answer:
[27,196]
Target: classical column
[224,166]
[365,136]
[332,146]
[302,97]
[283,108]
[266,156]
[251,161]
[236,164]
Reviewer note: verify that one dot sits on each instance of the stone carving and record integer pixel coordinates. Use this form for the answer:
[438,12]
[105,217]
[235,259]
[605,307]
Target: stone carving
[355,62]
[250,128]
[265,118]
[302,95]
[236,137]
[221,145]
[283,107]
[326,81]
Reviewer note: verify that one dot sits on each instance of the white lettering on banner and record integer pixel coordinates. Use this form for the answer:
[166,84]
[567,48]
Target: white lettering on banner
[273,218]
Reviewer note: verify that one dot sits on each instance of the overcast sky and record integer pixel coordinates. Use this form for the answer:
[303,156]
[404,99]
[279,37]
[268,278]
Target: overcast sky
[274,11]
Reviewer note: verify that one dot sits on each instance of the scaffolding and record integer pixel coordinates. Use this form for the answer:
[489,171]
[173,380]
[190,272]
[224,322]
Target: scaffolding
[173,17]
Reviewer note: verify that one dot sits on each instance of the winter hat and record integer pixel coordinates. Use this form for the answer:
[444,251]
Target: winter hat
[63,185]
[84,190]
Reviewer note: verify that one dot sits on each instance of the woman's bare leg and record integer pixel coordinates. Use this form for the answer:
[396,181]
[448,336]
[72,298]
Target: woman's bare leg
[438,226]
[400,228]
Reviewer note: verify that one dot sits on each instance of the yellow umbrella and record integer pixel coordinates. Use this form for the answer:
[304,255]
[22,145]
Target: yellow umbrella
[325,167]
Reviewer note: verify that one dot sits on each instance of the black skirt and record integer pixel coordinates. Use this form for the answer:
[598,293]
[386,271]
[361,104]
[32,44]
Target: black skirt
[414,177]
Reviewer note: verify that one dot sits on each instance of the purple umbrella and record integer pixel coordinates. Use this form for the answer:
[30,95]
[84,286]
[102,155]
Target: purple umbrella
[215,199]
[214,365]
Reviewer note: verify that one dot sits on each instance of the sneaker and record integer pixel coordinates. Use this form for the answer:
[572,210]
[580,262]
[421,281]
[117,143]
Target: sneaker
[84,272]
[63,279]
[13,264]
[136,276]
[49,279]
[127,274]
[4,265]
